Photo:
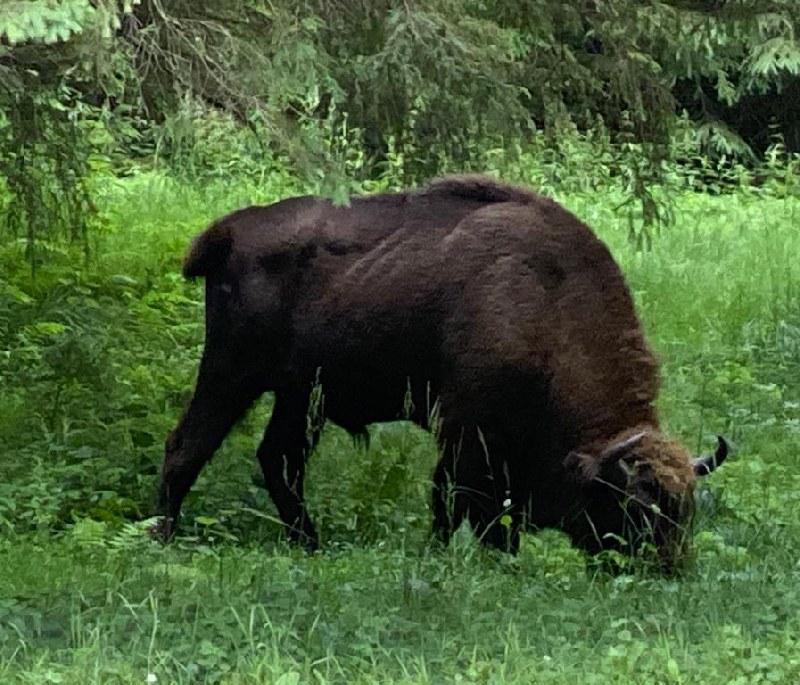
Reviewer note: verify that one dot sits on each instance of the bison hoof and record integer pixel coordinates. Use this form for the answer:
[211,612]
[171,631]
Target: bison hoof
[307,540]
[310,544]
[163,529]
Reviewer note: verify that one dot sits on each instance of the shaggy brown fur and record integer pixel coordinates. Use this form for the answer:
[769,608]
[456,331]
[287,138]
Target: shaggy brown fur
[489,307]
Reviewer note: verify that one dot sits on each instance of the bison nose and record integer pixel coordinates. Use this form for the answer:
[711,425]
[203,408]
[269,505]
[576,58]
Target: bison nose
[672,556]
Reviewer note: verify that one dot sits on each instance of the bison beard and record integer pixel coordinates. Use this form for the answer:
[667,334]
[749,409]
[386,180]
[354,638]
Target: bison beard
[479,310]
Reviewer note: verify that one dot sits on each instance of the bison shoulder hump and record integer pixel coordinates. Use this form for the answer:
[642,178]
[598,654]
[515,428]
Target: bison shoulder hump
[480,189]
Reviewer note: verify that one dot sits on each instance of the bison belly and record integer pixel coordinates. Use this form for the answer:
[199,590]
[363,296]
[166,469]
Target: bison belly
[357,396]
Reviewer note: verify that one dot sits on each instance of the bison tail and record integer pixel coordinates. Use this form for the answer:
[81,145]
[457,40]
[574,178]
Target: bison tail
[208,251]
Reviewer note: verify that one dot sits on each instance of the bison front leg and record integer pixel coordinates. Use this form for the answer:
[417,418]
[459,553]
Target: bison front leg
[471,483]
[222,395]
[282,455]
[449,506]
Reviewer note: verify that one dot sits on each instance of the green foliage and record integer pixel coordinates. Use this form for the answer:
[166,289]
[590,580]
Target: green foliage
[244,102]
[50,136]
[97,361]
[361,92]
[416,71]
[48,22]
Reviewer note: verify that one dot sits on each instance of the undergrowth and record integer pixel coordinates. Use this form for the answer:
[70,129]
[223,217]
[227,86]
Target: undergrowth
[97,359]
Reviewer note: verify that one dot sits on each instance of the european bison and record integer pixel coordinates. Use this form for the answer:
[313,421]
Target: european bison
[479,310]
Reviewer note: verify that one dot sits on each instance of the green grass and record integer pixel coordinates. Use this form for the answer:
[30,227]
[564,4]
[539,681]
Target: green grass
[98,359]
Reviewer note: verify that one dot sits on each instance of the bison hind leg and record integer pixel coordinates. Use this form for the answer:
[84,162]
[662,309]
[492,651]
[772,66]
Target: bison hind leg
[282,455]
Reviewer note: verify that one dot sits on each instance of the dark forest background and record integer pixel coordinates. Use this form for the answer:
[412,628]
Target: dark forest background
[344,91]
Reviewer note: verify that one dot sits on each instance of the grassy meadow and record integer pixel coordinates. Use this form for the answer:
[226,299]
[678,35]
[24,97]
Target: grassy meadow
[97,359]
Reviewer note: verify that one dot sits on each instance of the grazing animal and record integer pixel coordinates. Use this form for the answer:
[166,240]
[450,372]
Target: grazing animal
[479,310]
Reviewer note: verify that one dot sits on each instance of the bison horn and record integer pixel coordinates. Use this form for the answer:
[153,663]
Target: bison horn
[616,451]
[708,462]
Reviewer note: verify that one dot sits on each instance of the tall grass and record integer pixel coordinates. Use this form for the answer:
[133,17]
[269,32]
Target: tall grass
[97,361]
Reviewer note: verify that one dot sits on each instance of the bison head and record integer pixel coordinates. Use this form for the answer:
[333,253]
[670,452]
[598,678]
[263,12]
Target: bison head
[637,491]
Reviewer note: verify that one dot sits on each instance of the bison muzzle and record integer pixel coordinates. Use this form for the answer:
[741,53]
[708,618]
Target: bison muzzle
[481,311]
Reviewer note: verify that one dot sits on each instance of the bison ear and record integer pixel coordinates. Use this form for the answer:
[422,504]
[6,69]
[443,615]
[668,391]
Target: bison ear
[583,467]
[587,469]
